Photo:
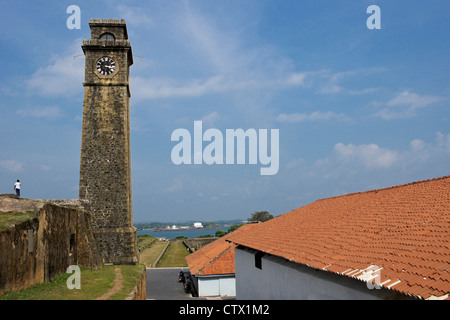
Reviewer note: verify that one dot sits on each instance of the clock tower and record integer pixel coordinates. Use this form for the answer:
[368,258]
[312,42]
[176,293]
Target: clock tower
[105,165]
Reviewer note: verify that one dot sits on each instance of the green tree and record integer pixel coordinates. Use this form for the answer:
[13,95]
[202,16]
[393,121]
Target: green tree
[260,216]
[220,233]
[233,227]
[205,236]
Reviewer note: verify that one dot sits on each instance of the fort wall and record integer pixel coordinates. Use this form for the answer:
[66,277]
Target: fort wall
[39,249]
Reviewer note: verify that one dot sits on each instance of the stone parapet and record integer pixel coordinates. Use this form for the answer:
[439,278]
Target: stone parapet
[39,249]
[106,43]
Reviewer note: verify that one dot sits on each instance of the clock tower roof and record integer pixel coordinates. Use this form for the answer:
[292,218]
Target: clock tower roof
[117,27]
[108,34]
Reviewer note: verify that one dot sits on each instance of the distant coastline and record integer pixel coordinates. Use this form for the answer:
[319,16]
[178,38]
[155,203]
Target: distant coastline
[186,225]
[183,229]
[172,234]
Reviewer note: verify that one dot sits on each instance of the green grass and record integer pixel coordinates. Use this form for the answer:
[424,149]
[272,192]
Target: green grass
[131,276]
[175,256]
[94,284]
[150,254]
[7,219]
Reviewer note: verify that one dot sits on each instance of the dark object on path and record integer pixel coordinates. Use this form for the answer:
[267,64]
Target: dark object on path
[181,277]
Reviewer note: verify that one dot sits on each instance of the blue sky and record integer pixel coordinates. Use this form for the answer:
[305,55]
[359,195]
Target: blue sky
[356,109]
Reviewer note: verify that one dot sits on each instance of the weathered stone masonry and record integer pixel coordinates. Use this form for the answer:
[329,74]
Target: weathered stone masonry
[39,249]
[105,164]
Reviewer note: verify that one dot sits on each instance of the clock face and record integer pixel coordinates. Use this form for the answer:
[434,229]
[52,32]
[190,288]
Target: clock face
[106,66]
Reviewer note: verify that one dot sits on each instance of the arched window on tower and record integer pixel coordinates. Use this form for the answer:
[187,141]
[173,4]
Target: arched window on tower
[107,36]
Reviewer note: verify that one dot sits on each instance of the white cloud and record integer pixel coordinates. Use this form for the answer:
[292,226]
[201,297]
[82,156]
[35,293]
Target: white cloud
[429,154]
[363,91]
[443,142]
[154,88]
[353,165]
[157,88]
[210,41]
[296,78]
[244,78]
[328,82]
[11,165]
[53,112]
[417,144]
[405,105]
[44,167]
[370,155]
[63,76]
[330,88]
[314,116]
[210,119]
[412,100]
[373,156]
[134,15]
[220,49]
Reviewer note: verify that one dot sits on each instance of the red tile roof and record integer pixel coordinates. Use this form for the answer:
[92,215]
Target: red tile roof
[215,258]
[404,230]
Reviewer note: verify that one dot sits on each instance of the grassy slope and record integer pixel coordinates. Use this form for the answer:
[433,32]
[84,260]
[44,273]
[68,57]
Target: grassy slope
[7,219]
[94,283]
[175,255]
[97,282]
[151,253]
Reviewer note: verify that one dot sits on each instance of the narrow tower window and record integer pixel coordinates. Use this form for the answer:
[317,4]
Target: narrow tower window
[72,242]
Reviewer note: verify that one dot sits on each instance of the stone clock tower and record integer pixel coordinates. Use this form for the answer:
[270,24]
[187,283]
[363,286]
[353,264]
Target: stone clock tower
[105,166]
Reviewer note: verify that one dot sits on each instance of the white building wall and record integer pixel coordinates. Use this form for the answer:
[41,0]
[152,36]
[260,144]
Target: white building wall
[279,279]
[216,286]
[227,287]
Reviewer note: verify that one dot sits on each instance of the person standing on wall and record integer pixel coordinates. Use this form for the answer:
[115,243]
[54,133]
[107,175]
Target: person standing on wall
[17,188]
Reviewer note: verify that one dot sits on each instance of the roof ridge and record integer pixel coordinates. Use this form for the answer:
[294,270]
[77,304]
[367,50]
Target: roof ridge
[386,188]
[231,245]
[213,257]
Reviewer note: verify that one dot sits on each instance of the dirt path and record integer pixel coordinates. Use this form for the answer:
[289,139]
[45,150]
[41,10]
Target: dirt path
[117,286]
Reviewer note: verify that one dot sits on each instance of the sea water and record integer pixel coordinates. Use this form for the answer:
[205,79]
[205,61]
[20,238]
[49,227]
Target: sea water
[192,233]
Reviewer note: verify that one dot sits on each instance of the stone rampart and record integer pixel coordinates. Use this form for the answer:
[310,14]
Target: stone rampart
[196,243]
[39,249]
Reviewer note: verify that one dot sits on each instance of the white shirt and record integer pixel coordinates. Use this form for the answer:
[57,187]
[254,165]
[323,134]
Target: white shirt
[17,185]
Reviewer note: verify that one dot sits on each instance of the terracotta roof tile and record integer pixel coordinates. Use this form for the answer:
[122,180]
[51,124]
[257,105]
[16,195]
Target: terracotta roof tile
[403,229]
[216,257]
